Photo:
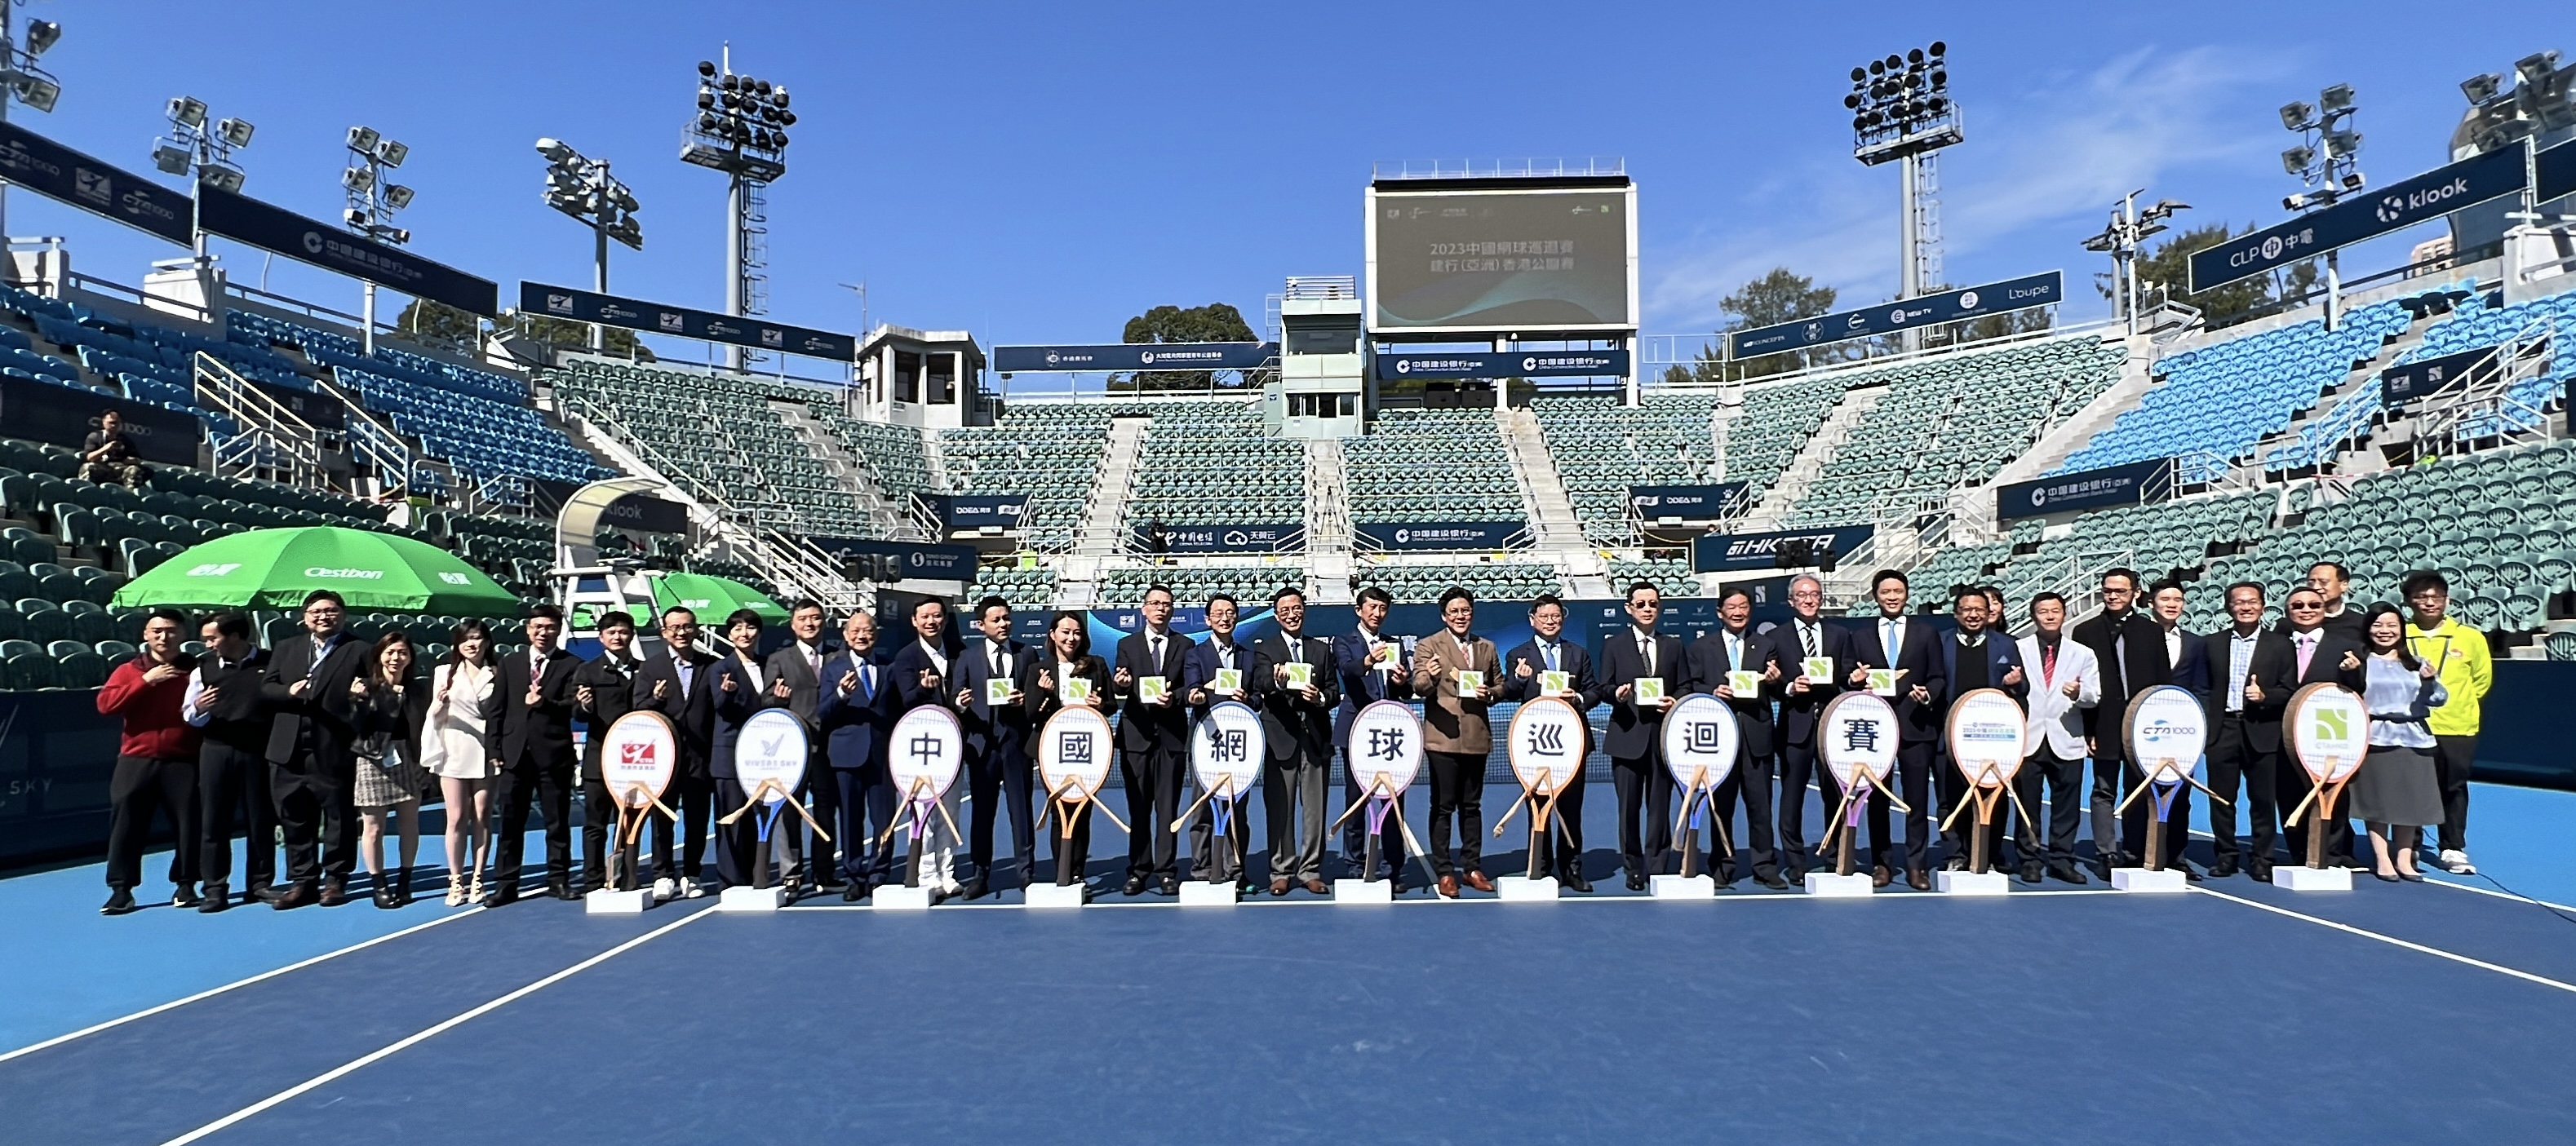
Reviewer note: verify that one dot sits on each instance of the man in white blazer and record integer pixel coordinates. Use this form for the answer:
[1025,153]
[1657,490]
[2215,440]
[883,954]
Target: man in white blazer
[2065,681]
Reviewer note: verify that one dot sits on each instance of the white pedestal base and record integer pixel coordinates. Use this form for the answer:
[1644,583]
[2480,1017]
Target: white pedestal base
[1523,889]
[1363,891]
[896,897]
[2312,878]
[2166,882]
[607,901]
[752,899]
[1682,886]
[1050,895]
[1972,883]
[1857,885]
[1207,893]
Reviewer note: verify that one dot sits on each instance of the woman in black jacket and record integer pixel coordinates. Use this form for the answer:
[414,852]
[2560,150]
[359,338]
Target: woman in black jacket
[1042,681]
[389,707]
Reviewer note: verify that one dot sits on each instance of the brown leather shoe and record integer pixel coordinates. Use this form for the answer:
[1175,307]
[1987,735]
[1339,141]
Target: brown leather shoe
[296,895]
[334,893]
[1448,887]
[1278,887]
[1879,876]
[1477,880]
[1918,879]
[1318,887]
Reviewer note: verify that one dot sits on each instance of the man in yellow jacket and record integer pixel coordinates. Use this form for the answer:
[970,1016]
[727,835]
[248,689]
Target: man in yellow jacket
[2467,669]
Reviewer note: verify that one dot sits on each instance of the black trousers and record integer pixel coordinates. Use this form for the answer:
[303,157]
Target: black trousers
[1390,836]
[140,789]
[991,776]
[738,843]
[1914,782]
[2064,780]
[1457,792]
[548,783]
[1153,777]
[2235,761]
[233,791]
[1752,784]
[690,796]
[1072,856]
[863,810]
[1958,840]
[821,862]
[2133,823]
[1205,863]
[598,830]
[312,798]
[1645,814]
[1559,846]
[1798,768]
[2452,756]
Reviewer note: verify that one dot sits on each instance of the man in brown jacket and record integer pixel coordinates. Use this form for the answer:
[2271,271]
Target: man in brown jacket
[1456,736]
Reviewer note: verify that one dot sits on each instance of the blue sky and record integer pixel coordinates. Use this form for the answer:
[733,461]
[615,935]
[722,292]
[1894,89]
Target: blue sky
[1039,173]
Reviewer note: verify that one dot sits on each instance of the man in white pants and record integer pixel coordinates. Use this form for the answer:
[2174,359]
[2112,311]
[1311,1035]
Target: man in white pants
[2065,681]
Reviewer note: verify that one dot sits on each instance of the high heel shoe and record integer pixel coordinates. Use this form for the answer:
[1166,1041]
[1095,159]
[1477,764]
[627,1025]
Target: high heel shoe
[455,891]
[2384,877]
[2411,876]
[474,892]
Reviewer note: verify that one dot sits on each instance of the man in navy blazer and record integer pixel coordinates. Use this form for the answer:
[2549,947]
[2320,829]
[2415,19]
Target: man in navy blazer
[1371,666]
[1200,689]
[1734,647]
[2187,659]
[1802,703]
[527,733]
[1153,743]
[1547,650]
[1634,739]
[1974,657]
[681,685]
[1907,644]
[853,714]
[997,754]
[1298,723]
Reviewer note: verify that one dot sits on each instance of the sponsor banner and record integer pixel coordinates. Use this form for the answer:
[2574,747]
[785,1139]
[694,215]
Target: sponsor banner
[1686,502]
[1387,536]
[1506,364]
[59,415]
[978,511]
[923,562]
[1135,356]
[1728,552]
[1887,318]
[682,322]
[2090,489]
[284,232]
[1217,538]
[58,172]
[2422,199]
[2408,381]
[2554,173]
[646,513]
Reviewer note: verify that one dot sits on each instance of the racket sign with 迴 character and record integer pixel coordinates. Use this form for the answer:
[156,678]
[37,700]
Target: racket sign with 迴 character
[1700,741]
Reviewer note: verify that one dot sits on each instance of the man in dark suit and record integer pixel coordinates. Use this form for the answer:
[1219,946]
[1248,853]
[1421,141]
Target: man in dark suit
[232,773]
[2333,582]
[1203,688]
[1802,703]
[1907,645]
[1297,721]
[1734,647]
[2187,659]
[2130,651]
[997,737]
[1525,670]
[2255,673]
[1371,668]
[1972,658]
[681,685]
[1634,739]
[793,671]
[602,691]
[1153,742]
[923,670]
[527,734]
[2319,655]
[853,714]
[311,738]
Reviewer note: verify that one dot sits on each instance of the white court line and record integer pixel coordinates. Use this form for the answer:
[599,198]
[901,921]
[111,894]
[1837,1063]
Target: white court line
[2448,881]
[1785,897]
[209,993]
[433,1032]
[2393,941]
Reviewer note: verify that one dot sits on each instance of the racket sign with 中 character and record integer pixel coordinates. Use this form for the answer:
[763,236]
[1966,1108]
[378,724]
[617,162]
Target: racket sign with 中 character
[1546,745]
[637,757]
[2167,732]
[1074,752]
[2328,727]
[1700,741]
[1987,735]
[924,751]
[1858,734]
[1384,750]
[1226,749]
[769,758]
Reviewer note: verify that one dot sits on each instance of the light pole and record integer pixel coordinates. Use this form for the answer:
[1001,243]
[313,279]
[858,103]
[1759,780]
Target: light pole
[372,204]
[1901,110]
[28,84]
[193,145]
[740,129]
[2121,240]
[582,188]
[2327,160]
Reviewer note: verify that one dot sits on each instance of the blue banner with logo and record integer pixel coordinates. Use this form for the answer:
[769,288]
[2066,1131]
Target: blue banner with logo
[2408,381]
[2400,205]
[284,232]
[2132,484]
[1686,502]
[1135,356]
[915,561]
[1728,552]
[682,322]
[1392,536]
[963,511]
[1888,318]
[58,172]
[1505,364]
[1142,538]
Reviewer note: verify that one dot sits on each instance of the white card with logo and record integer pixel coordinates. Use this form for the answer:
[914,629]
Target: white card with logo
[771,747]
[1882,682]
[1300,674]
[1820,670]
[1153,689]
[1745,684]
[1228,682]
[1470,683]
[1555,682]
[1075,690]
[1650,690]
[997,692]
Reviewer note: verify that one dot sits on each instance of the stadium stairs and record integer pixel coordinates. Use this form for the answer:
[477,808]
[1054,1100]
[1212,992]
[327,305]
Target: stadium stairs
[1102,537]
[1328,523]
[849,472]
[2136,375]
[1810,461]
[1556,533]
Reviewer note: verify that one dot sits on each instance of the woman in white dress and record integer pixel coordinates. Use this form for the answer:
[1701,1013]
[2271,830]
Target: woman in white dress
[451,748]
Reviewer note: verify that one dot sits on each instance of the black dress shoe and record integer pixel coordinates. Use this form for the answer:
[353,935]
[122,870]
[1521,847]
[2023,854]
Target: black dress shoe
[972,889]
[265,893]
[335,891]
[119,902]
[1772,880]
[1573,879]
[854,893]
[2222,869]
[2261,872]
[294,896]
[1169,885]
[2032,872]
[502,897]
[832,886]
[1135,885]
[184,895]
[1918,879]
[2188,875]
[562,891]
[1879,876]
[2068,873]
[1636,881]
[384,899]
[218,897]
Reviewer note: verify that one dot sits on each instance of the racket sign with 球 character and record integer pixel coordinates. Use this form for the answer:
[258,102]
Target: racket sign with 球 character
[1700,741]
[1987,734]
[1383,751]
[2327,728]
[1856,734]
[638,755]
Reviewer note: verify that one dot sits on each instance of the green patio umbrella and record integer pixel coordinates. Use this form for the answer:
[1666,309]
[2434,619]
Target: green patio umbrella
[276,568]
[714,598]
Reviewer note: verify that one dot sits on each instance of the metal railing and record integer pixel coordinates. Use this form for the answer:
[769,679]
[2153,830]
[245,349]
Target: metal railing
[1523,168]
[271,437]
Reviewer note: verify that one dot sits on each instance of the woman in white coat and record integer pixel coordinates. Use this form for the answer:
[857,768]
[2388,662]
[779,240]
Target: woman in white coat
[2065,684]
[451,748]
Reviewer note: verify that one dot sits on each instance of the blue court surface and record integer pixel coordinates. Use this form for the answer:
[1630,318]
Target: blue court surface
[2238,1013]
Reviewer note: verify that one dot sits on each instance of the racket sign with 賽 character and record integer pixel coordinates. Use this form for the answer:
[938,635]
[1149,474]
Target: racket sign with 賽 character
[1856,735]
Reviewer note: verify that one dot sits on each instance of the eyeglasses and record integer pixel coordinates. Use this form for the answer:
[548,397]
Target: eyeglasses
[2430,595]
[2307,606]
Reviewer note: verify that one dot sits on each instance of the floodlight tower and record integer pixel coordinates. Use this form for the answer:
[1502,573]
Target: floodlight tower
[740,128]
[194,145]
[2327,160]
[2121,240]
[582,188]
[27,84]
[1902,111]
[373,201]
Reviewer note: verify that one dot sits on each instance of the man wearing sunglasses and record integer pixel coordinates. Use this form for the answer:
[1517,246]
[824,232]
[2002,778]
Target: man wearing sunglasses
[2321,655]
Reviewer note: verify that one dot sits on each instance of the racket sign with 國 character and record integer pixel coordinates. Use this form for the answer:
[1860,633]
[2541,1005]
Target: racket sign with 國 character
[1226,750]
[1384,748]
[2328,728]
[1857,734]
[1546,745]
[1074,752]
[1700,741]
[1987,736]
[924,751]
[769,758]
[638,755]
[2167,732]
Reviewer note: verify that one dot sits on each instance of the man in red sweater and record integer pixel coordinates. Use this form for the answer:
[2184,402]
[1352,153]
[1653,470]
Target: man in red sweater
[156,762]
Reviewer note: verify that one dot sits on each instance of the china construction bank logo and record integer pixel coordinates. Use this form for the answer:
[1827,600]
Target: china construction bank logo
[312,242]
[217,569]
[2039,496]
[1403,535]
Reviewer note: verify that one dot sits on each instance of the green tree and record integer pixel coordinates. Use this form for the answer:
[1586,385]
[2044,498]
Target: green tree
[427,321]
[1777,297]
[569,335]
[1214,322]
[2167,268]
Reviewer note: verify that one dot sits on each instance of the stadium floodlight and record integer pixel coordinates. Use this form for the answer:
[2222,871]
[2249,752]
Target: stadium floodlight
[358,180]
[555,151]
[392,154]
[738,126]
[363,138]
[584,189]
[2337,98]
[42,35]
[235,132]
[189,111]
[2536,68]
[2296,114]
[220,178]
[2295,160]
[1902,112]
[37,92]
[373,201]
[171,160]
[2482,87]
[397,196]
[2122,240]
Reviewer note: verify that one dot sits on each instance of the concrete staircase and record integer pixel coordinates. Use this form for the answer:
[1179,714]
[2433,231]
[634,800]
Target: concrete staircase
[1793,482]
[1328,523]
[1554,529]
[1103,532]
[849,471]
